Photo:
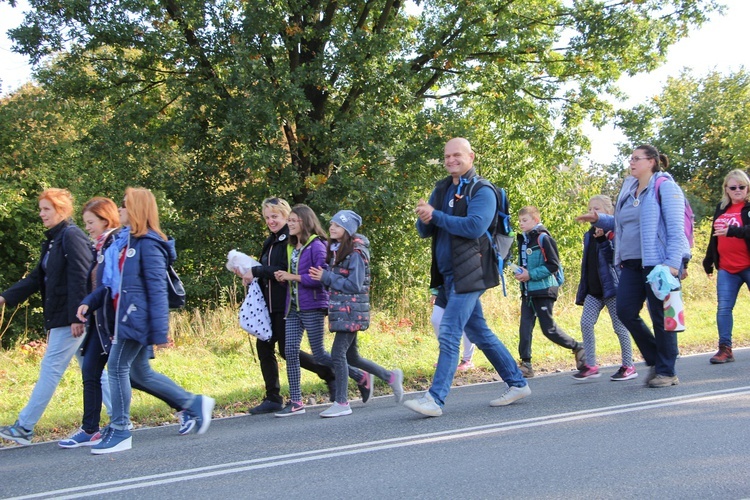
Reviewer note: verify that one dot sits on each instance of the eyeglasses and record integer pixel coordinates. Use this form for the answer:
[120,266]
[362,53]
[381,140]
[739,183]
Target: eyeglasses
[735,188]
[638,158]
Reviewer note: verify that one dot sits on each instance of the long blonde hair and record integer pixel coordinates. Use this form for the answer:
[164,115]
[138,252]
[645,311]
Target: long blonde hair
[143,214]
[742,179]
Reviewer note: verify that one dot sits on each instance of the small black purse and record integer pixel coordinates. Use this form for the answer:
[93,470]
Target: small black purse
[175,289]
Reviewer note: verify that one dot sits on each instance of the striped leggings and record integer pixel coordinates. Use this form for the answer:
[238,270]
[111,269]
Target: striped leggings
[592,306]
[297,322]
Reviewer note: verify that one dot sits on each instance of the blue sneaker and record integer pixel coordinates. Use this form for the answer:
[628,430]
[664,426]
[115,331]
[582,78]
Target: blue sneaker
[201,410]
[187,422]
[16,433]
[81,438]
[113,440]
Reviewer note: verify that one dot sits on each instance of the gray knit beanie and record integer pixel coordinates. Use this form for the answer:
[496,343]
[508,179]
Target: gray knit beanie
[348,220]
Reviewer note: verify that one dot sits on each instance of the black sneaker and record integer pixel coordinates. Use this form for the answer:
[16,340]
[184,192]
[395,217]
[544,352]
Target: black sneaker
[267,406]
[366,389]
[292,408]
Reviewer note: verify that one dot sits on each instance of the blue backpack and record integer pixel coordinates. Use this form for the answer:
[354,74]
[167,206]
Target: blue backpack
[500,232]
[559,275]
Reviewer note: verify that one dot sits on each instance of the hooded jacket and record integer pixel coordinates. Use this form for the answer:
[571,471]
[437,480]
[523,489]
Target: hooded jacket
[311,294]
[142,307]
[349,285]
[68,256]
[542,282]
[608,273]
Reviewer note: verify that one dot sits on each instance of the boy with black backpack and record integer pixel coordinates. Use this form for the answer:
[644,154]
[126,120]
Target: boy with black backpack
[540,276]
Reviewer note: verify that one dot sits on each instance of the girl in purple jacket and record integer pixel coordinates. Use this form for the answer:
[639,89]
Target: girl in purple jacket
[307,305]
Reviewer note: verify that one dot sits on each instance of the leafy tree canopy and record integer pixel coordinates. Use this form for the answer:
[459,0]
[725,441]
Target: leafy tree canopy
[703,125]
[216,104]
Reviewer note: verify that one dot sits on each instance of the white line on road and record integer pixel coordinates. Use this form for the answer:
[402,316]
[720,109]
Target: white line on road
[374,446]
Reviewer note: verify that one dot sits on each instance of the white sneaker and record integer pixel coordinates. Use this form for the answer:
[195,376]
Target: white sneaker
[398,385]
[425,405]
[337,410]
[511,395]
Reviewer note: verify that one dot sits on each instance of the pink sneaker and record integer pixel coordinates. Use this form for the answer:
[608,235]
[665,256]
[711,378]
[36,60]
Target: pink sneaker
[624,373]
[587,372]
[465,365]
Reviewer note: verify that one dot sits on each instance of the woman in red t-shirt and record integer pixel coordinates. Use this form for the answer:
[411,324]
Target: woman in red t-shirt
[729,252]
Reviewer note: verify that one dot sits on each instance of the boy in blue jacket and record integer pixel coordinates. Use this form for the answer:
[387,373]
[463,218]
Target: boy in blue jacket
[539,262]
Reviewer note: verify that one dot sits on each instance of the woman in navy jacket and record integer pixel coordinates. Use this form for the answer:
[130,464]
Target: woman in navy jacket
[102,223]
[729,252]
[135,277]
[60,277]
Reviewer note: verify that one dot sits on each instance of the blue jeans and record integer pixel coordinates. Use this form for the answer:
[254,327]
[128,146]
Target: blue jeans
[61,347]
[463,313]
[129,359]
[659,348]
[727,287]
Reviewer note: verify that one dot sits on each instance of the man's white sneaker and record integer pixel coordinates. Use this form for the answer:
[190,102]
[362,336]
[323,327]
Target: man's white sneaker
[511,395]
[425,405]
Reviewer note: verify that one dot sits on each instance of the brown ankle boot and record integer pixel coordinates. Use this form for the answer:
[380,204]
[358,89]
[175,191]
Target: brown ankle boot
[723,356]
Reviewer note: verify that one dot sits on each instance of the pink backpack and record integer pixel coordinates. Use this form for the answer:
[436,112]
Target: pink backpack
[689,216]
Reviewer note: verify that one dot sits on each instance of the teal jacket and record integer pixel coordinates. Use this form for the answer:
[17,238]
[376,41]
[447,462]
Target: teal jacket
[541,262]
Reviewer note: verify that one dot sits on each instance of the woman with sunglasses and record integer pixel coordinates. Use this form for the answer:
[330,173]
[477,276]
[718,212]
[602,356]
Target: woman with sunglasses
[273,257]
[649,226]
[729,252]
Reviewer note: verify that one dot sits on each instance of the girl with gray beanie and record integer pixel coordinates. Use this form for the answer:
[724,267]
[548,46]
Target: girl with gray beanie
[348,280]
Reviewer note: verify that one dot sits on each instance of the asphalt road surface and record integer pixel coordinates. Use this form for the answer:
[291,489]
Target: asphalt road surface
[597,439]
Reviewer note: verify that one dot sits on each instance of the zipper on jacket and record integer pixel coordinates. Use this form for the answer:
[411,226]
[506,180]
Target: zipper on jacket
[119,295]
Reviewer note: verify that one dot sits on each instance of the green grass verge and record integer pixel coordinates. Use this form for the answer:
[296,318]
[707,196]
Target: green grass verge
[212,355]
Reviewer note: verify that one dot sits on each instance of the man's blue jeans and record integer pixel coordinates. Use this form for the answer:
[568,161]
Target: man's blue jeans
[727,287]
[659,348]
[463,313]
[129,359]
[61,347]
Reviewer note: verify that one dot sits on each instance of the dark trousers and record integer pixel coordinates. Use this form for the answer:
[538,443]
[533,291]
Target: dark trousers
[659,348]
[269,366]
[94,361]
[540,307]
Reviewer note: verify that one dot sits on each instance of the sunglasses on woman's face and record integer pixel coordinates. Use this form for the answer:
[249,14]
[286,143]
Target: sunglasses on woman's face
[735,188]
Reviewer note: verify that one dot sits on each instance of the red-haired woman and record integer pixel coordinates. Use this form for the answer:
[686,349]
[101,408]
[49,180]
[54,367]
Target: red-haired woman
[134,279]
[60,276]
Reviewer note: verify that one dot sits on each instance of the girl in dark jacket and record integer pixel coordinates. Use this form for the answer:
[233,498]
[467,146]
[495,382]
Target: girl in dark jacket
[307,305]
[729,252]
[135,280]
[598,288]
[102,222]
[274,258]
[349,307]
[60,277]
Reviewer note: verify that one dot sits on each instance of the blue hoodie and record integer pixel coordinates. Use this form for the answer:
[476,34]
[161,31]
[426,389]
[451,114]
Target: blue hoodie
[142,308]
